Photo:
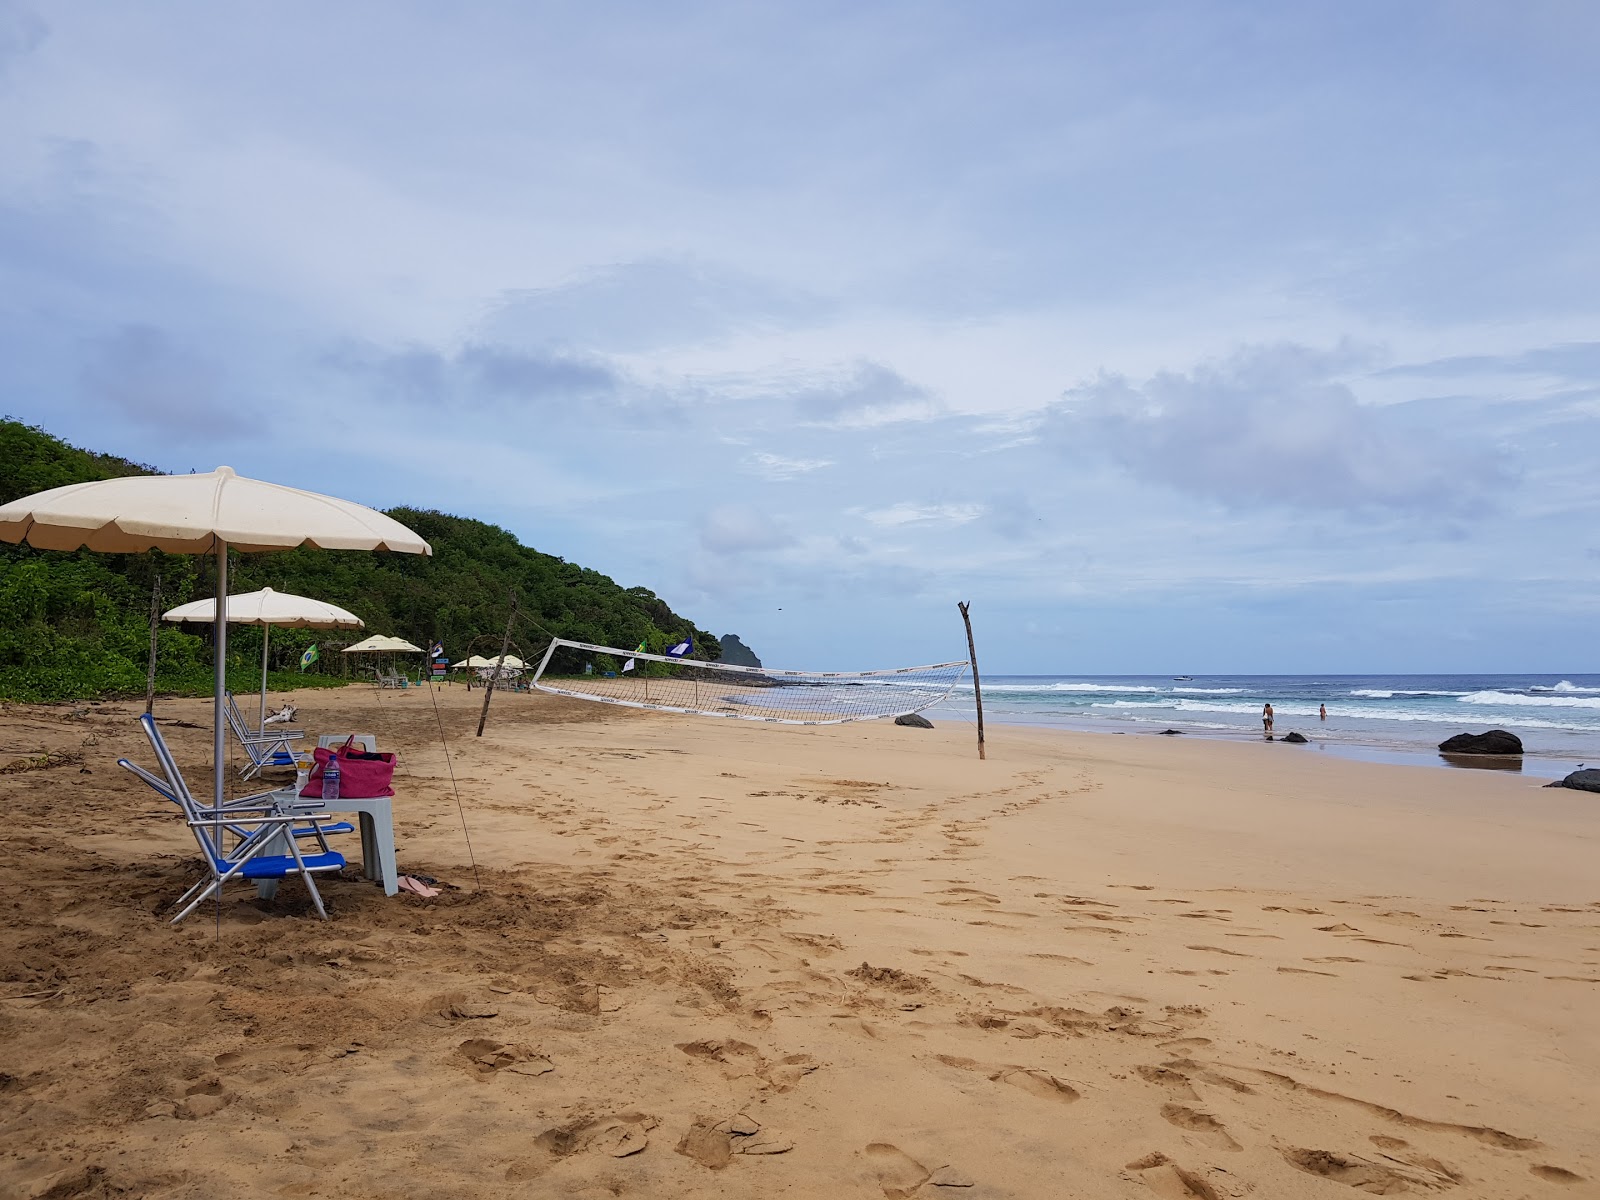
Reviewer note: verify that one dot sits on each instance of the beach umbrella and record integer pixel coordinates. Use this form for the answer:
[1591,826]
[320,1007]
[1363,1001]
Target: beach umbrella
[200,514]
[267,608]
[382,643]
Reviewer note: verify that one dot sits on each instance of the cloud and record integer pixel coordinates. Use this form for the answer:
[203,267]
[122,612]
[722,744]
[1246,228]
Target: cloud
[22,31]
[1578,361]
[735,530]
[906,513]
[141,374]
[1273,425]
[647,304]
[480,376]
[775,466]
[866,394]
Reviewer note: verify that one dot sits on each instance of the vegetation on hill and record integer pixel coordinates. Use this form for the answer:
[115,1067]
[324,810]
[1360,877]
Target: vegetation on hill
[74,625]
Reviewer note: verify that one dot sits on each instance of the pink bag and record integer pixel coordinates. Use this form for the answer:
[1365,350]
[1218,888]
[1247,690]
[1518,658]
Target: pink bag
[362,773]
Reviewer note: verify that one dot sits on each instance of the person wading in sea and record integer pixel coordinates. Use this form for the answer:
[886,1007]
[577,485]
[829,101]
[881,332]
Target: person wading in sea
[1322,711]
[1266,718]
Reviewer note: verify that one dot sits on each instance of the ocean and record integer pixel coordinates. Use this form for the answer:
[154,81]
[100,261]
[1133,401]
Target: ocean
[1393,718]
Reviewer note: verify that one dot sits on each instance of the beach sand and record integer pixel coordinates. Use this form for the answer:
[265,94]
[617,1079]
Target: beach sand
[702,958]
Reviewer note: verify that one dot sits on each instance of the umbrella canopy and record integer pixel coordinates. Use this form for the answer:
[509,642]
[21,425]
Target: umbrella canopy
[267,608]
[200,514]
[477,660]
[383,643]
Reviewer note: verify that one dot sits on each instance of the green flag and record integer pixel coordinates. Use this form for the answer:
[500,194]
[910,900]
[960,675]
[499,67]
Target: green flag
[309,657]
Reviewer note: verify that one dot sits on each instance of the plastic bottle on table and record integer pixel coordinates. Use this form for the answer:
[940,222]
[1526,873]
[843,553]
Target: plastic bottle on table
[330,779]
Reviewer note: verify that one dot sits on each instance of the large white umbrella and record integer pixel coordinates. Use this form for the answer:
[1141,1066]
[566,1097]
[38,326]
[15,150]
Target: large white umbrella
[267,608]
[200,514]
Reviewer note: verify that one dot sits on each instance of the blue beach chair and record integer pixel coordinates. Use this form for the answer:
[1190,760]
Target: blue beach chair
[263,749]
[258,831]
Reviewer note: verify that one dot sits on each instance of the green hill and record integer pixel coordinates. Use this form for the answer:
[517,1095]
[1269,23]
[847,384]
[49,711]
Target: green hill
[77,625]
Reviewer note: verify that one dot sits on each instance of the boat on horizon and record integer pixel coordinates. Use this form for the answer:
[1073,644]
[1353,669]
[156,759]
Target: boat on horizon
[1182,678]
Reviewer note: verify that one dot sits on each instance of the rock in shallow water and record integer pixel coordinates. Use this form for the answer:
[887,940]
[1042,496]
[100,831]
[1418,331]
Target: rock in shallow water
[1298,739]
[1495,741]
[1583,781]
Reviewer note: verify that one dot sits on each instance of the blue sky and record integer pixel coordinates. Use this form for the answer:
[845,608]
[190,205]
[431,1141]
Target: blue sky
[1178,337]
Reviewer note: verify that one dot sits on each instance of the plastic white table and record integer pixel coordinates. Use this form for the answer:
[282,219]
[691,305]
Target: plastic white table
[376,816]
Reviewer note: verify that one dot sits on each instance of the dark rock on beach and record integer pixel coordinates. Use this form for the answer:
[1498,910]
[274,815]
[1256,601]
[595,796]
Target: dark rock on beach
[1583,781]
[1298,739]
[1495,741]
[1170,733]
[916,720]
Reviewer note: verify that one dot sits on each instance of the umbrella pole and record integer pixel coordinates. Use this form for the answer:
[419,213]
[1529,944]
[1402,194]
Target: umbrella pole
[266,632]
[220,637]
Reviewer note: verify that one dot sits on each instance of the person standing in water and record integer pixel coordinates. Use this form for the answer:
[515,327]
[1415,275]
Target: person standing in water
[1266,718]
[1322,711]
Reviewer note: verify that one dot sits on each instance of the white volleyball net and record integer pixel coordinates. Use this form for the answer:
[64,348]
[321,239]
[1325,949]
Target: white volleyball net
[706,689]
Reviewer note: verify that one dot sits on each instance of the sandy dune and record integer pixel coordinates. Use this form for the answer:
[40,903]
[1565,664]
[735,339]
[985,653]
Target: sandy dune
[705,960]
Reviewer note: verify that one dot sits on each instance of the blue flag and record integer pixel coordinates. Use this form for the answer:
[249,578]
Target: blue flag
[683,648]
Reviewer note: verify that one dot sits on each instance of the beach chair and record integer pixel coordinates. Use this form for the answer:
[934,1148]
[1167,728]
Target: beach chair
[278,800]
[257,829]
[263,749]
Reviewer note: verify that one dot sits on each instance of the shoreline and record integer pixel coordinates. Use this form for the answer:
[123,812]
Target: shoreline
[1535,764]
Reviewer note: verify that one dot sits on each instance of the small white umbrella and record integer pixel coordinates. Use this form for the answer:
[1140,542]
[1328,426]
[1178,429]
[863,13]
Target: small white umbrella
[267,608]
[382,643]
[200,514]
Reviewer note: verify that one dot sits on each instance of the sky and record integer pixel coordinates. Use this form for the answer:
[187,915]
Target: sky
[1184,337]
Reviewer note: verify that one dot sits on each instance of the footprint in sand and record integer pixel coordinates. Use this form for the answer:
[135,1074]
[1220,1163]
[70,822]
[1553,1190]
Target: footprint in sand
[897,1173]
[1220,950]
[617,1136]
[1306,971]
[1367,1176]
[1203,1125]
[1556,1174]
[1174,1081]
[1035,1082]
[1170,1181]
[487,1057]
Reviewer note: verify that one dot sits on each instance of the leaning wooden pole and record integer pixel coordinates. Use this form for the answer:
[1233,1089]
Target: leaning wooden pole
[155,628]
[977,688]
[499,665]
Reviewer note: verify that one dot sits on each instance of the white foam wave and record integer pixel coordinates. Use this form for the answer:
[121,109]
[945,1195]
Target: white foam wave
[1188,691]
[1391,693]
[1069,687]
[1543,701]
[1566,685]
[1370,713]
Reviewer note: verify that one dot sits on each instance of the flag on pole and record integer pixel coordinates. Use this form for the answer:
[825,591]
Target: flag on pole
[628,666]
[683,648]
[435,650]
[309,657]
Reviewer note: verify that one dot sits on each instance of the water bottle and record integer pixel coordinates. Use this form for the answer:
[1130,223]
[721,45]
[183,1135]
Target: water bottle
[330,779]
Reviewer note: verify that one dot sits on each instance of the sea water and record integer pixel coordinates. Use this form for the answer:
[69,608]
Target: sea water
[1399,718]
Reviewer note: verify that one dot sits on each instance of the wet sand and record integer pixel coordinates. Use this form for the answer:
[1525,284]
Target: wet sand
[716,959]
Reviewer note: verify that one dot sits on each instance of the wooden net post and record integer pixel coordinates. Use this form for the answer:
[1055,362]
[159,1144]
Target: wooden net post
[977,688]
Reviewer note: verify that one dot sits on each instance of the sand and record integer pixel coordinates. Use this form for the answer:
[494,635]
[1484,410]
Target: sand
[700,959]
